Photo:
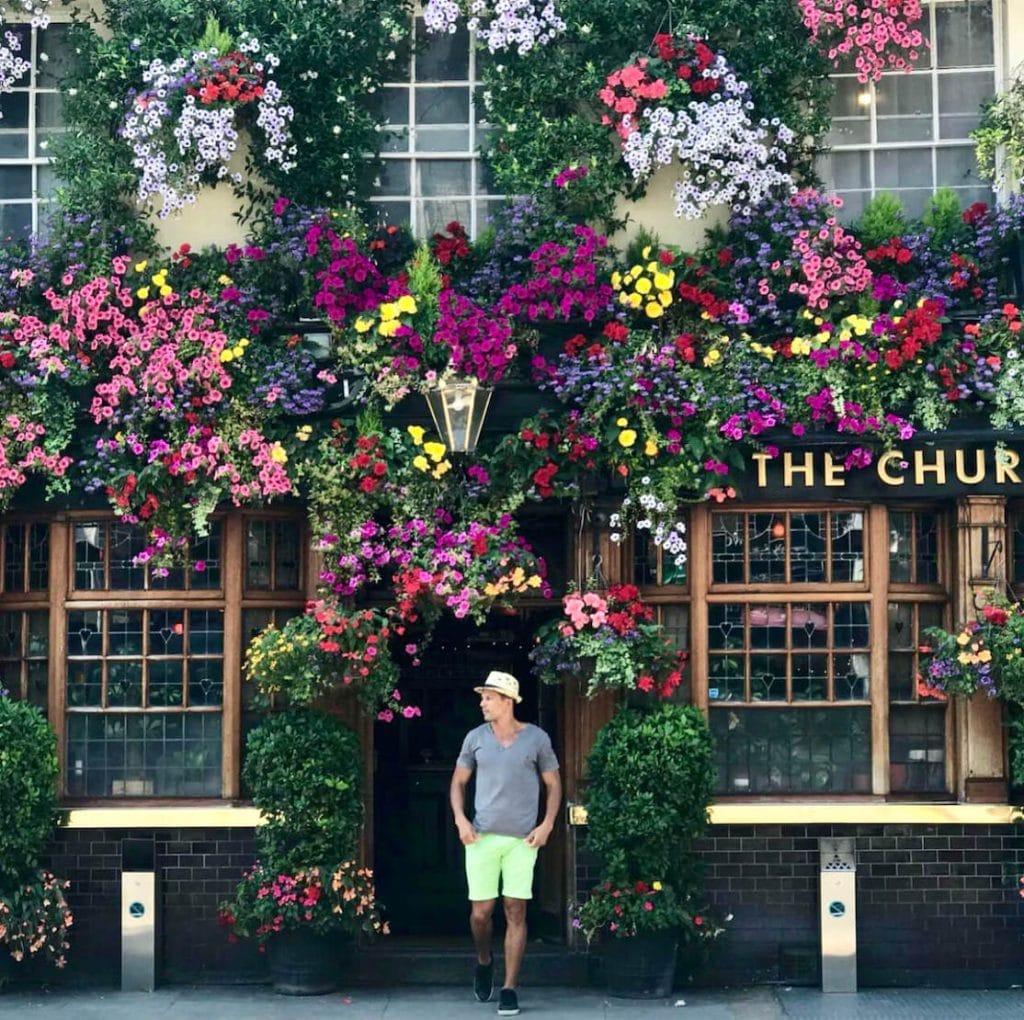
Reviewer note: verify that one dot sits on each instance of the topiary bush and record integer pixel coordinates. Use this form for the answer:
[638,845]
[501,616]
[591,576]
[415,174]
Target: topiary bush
[28,790]
[651,775]
[304,769]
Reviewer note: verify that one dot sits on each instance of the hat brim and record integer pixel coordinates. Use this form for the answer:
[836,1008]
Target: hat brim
[517,698]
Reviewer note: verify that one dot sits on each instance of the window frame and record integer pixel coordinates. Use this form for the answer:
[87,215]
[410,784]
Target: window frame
[872,147]
[876,591]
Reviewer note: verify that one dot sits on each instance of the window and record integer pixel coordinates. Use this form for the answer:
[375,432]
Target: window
[31,117]
[24,616]
[910,133]
[153,704]
[432,172]
[792,649]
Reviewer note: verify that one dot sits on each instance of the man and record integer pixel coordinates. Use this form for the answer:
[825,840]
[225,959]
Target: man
[511,759]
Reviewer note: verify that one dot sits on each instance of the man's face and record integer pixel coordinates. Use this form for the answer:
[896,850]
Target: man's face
[492,705]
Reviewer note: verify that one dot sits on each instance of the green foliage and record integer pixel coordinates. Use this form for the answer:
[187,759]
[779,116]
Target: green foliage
[28,781]
[999,138]
[335,126]
[943,214]
[304,769]
[545,103]
[650,781]
[35,920]
[884,217]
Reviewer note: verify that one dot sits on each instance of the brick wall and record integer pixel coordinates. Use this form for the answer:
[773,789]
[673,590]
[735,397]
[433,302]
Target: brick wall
[936,905]
[198,868]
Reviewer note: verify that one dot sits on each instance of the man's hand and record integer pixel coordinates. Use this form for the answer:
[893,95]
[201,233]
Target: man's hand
[538,837]
[466,832]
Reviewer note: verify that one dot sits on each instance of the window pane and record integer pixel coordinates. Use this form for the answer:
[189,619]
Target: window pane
[903,168]
[847,546]
[904,108]
[963,34]
[442,105]
[727,548]
[395,177]
[54,43]
[807,547]
[14,557]
[792,750]
[926,552]
[125,632]
[206,632]
[850,170]
[767,545]
[205,682]
[16,220]
[445,57]
[39,557]
[126,542]
[957,167]
[917,748]
[258,546]
[434,216]
[900,545]
[206,557]
[124,683]
[89,546]
[960,99]
[165,682]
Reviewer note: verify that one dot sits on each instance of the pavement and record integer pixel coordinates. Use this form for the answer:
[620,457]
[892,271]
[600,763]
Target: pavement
[258,1002]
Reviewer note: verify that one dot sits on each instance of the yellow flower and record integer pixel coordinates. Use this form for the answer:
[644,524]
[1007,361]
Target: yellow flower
[643,285]
[984,655]
[389,327]
[635,300]
[238,350]
[388,310]
[654,310]
[165,290]
[363,325]
[622,422]
[243,341]
[664,281]
[616,279]
[533,581]
[435,451]
[226,355]
[646,253]
[443,468]
[651,448]
[665,297]
[417,432]
[963,638]
[407,303]
[420,462]
[303,432]
[712,357]
[142,292]
[656,886]
[627,437]
[224,280]
[277,454]
[140,267]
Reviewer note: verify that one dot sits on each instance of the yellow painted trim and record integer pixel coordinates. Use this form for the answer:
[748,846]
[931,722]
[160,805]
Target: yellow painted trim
[861,814]
[225,816]
[846,814]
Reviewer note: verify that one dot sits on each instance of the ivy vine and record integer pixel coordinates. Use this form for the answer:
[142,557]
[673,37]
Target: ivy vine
[544,104]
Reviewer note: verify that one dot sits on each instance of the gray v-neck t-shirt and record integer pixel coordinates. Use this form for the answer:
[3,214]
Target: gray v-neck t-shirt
[507,778]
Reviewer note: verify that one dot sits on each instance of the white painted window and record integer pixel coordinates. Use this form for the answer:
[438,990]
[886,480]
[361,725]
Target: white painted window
[32,116]
[910,133]
[433,173]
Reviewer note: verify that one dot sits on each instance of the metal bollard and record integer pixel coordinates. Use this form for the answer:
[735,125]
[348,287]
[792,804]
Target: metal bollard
[139,909]
[838,915]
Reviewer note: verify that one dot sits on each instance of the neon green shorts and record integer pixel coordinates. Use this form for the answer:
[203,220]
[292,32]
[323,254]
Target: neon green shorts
[492,856]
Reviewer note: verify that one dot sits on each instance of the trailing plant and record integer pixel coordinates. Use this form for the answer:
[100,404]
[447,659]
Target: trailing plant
[999,138]
[334,127]
[544,103]
[35,919]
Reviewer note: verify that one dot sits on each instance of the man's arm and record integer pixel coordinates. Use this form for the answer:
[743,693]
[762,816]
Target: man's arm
[457,798]
[552,802]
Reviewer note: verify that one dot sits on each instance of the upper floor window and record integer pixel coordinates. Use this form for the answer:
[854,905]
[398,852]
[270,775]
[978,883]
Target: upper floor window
[30,117]
[432,172]
[910,133]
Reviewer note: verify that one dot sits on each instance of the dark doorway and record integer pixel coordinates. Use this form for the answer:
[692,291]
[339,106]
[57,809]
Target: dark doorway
[417,854]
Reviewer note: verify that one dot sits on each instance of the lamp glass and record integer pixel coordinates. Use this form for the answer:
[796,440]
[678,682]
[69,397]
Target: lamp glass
[459,408]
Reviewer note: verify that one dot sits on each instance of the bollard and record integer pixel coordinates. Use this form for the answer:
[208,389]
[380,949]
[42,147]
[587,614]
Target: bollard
[139,904]
[838,912]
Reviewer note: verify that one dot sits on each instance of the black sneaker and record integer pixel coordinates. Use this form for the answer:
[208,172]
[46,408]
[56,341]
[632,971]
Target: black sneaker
[508,1003]
[483,981]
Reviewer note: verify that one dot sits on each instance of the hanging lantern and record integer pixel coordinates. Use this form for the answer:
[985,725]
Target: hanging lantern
[459,407]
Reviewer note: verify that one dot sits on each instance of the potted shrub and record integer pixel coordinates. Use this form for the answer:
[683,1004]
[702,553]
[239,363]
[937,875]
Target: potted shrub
[306,898]
[650,780]
[34,915]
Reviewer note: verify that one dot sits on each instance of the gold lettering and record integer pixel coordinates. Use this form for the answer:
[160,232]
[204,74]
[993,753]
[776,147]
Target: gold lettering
[938,468]
[979,468]
[789,469]
[1006,462]
[834,472]
[761,459]
[883,467]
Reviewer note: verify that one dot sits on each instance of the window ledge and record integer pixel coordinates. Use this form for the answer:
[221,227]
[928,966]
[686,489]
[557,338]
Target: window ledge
[165,816]
[856,813]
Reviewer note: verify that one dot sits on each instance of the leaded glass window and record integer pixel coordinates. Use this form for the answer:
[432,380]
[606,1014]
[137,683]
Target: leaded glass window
[24,655]
[273,555]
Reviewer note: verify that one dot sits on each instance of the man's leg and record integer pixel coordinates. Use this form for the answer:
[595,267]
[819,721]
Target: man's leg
[481,923]
[515,939]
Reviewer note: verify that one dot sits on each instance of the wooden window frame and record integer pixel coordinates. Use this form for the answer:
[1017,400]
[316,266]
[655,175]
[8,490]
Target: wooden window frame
[876,591]
[230,598]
